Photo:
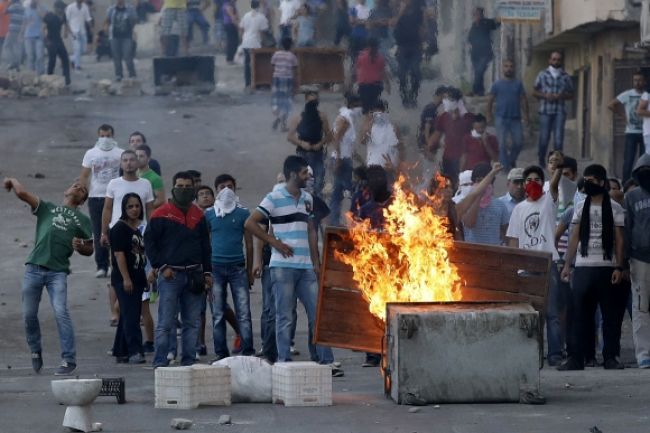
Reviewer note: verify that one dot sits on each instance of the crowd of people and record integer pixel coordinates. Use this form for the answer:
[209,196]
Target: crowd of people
[184,252]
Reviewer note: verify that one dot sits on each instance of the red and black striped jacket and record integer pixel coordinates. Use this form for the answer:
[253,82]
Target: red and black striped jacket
[175,238]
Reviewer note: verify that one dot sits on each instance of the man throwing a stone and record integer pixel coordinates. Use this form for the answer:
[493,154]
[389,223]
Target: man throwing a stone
[60,230]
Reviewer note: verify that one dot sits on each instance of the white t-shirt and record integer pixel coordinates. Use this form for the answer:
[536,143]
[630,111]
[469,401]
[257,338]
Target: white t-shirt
[253,23]
[630,100]
[349,139]
[533,224]
[104,166]
[362,12]
[383,141]
[118,188]
[77,17]
[288,9]
[595,248]
[646,120]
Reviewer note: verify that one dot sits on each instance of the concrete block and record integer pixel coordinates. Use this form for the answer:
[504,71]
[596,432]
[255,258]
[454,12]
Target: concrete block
[29,91]
[28,78]
[181,423]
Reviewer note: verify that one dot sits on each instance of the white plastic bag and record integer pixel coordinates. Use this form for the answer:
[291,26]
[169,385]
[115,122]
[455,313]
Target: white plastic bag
[251,379]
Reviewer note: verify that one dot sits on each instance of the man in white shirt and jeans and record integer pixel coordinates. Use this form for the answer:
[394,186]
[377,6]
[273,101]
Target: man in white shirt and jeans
[532,226]
[251,25]
[77,15]
[100,165]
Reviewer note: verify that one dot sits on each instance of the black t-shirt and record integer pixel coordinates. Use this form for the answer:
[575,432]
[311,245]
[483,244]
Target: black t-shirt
[407,29]
[53,23]
[129,241]
[122,22]
[480,37]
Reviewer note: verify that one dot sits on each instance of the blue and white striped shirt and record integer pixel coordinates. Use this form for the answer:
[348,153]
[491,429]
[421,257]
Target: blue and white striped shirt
[290,221]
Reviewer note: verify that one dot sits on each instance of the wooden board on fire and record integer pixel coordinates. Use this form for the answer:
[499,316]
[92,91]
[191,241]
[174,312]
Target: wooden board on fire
[488,273]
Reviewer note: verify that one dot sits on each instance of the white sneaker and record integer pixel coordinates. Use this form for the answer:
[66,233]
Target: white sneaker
[294,351]
[101,273]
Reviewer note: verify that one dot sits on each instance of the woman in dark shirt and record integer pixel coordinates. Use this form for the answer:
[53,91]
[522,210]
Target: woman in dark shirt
[310,133]
[129,279]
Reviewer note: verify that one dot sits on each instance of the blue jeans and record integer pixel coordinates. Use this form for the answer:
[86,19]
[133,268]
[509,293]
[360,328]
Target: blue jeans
[556,305]
[342,182]
[95,208]
[236,276]
[634,147]
[172,295]
[269,346]
[195,16]
[509,127]
[79,41]
[37,277]
[34,52]
[289,284]
[315,161]
[122,49]
[247,67]
[550,124]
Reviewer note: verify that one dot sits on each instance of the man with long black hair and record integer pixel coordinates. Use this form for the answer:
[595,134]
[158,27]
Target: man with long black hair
[598,237]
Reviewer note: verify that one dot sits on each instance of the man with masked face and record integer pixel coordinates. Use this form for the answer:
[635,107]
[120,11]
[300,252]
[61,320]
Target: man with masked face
[453,125]
[637,222]
[532,226]
[382,140]
[486,218]
[310,132]
[596,244]
[100,165]
[345,139]
[231,265]
[553,86]
[177,242]
[479,145]
[511,102]
[295,259]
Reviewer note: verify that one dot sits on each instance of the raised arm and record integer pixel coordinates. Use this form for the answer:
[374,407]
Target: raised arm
[477,192]
[26,196]
[84,176]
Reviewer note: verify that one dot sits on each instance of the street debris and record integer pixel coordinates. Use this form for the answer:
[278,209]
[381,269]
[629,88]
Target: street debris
[414,410]
[224,420]
[181,423]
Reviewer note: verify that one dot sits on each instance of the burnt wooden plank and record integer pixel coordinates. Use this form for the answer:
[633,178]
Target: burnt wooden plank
[477,294]
[358,342]
[335,278]
[492,279]
[489,273]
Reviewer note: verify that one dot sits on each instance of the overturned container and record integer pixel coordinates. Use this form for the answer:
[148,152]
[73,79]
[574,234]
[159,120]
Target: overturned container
[461,352]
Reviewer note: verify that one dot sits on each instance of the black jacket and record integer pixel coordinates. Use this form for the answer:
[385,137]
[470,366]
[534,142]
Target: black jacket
[177,239]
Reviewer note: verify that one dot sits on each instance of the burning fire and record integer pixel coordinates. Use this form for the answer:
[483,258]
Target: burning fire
[408,260]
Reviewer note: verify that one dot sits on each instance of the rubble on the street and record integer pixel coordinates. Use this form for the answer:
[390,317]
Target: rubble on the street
[27,83]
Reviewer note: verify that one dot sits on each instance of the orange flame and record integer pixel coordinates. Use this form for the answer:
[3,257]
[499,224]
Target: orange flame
[408,260]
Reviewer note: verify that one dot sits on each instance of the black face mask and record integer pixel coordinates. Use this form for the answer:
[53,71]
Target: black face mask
[643,178]
[591,189]
[311,106]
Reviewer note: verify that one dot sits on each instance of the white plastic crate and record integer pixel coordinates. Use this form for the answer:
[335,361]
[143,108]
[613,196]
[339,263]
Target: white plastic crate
[302,384]
[189,387]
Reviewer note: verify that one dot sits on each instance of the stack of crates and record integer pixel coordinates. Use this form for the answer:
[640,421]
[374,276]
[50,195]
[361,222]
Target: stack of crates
[189,387]
[302,384]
